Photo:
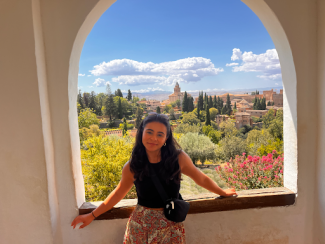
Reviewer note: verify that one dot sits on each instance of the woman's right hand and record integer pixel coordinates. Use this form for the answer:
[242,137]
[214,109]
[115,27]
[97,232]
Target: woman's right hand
[229,192]
[85,219]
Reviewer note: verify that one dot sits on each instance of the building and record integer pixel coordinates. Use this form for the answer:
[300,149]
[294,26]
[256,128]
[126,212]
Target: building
[177,95]
[243,118]
[257,113]
[220,118]
[42,183]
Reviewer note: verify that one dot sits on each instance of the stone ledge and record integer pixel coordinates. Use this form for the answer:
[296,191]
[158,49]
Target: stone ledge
[203,203]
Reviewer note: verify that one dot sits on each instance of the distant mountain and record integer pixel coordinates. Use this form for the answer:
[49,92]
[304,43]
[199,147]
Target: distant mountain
[163,95]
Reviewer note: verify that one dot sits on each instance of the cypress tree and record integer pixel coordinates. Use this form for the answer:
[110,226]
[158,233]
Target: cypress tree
[110,108]
[158,110]
[207,117]
[200,100]
[185,103]
[125,127]
[119,109]
[228,104]
[190,104]
[86,99]
[215,105]
[224,110]
[92,103]
[210,102]
[258,104]
[235,106]
[129,96]
[138,119]
[198,110]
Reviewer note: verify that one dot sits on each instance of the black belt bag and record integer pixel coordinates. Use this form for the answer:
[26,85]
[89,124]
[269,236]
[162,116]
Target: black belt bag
[175,209]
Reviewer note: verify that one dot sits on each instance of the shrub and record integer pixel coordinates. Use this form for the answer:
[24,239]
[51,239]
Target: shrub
[87,117]
[253,172]
[190,118]
[185,128]
[102,160]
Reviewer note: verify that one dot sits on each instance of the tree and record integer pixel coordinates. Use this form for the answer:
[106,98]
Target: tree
[125,127]
[215,104]
[200,101]
[255,139]
[190,104]
[129,96]
[190,118]
[198,111]
[230,147]
[210,102]
[158,110]
[228,105]
[228,129]
[118,93]
[167,108]
[80,100]
[92,103]
[86,118]
[172,114]
[224,110]
[178,103]
[276,126]
[198,147]
[110,108]
[213,113]
[143,99]
[207,117]
[108,89]
[269,103]
[268,118]
[86,99]
[135,99]
[235,106]
[184,128]
[185,103]
[119,108]
[138,119]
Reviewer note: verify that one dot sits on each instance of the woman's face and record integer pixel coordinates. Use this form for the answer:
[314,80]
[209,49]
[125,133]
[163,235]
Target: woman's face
[154,136]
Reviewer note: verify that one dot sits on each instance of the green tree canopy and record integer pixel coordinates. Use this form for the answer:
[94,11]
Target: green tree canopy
[190,118]
[158,110]
[129,96]
[118,93]
[198,147]
[213,113]
[86,118]
[228,129]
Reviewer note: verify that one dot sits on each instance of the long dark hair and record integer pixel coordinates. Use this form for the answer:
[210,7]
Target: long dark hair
[139,163]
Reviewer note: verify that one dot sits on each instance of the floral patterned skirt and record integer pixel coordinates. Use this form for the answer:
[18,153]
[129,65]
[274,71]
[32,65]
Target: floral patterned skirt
[148,226]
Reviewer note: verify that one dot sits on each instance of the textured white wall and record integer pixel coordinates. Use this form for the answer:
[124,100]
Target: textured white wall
[64,25]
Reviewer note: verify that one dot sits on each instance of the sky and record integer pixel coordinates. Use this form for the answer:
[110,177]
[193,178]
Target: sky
[149,45]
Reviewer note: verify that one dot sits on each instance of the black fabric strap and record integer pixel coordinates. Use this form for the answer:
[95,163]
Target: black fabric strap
[158,185]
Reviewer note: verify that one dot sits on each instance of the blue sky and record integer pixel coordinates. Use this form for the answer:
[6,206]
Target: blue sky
[147,45]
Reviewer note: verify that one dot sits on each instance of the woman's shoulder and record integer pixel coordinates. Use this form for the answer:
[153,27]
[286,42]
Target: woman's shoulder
[183,159]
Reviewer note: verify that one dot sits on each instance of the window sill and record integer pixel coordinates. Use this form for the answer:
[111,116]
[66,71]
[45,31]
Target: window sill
[203,203]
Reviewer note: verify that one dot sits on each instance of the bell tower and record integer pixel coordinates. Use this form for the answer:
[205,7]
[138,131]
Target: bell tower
[177,89]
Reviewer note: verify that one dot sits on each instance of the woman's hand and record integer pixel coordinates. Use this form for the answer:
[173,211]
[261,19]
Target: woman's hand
[229,193]
[85,219]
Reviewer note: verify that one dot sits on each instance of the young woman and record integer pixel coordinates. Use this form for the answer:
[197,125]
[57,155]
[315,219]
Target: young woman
[154,146]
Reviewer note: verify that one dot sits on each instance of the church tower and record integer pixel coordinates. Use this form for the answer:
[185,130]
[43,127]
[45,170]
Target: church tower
[177,89]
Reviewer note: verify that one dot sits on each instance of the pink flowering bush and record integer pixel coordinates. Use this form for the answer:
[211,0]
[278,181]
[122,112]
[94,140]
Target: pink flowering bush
[253,172]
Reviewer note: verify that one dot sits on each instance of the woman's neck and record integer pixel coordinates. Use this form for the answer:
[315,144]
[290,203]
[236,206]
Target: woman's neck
[154,157]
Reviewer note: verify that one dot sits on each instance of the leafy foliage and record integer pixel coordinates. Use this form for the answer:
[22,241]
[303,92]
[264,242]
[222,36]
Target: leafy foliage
[190,118]
[102,160]
[86,118]
[198,147]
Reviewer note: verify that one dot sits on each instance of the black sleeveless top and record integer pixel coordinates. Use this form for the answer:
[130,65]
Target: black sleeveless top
[148,195]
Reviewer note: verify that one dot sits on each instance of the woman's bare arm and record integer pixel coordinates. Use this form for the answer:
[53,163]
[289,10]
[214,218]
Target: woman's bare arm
[114,197]
[188,168]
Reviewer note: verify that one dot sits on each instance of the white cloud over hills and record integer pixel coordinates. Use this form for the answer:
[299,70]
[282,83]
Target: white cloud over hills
[134,73]
[99,82]
[266,63]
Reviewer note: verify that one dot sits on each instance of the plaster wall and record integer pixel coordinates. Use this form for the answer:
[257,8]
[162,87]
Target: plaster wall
[319,213]
[65,25]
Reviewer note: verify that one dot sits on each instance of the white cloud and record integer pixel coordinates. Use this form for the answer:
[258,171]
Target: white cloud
[207,90]
[277,84]
[99,82]
[88,75]
[266,63]
[232,64]
[148,90]
[81,74]
[168,73]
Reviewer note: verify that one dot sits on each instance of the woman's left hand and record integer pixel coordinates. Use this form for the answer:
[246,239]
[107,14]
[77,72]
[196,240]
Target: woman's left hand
[85,219]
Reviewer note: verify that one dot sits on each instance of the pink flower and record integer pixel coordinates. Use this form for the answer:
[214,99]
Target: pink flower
[244,154]
[229,179]
[270,155]
[265,177]
[231,170]
[259,179]
[281,171]
[274,151]
[245,178]
[241,165]
[276,177]
[249,158]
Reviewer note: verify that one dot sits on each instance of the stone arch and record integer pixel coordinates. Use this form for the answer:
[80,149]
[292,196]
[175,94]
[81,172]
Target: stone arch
[278,35]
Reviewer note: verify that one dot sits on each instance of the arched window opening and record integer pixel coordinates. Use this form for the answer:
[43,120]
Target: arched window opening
[229,99]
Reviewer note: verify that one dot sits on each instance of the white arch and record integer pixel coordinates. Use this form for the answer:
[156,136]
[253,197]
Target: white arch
[282,45]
